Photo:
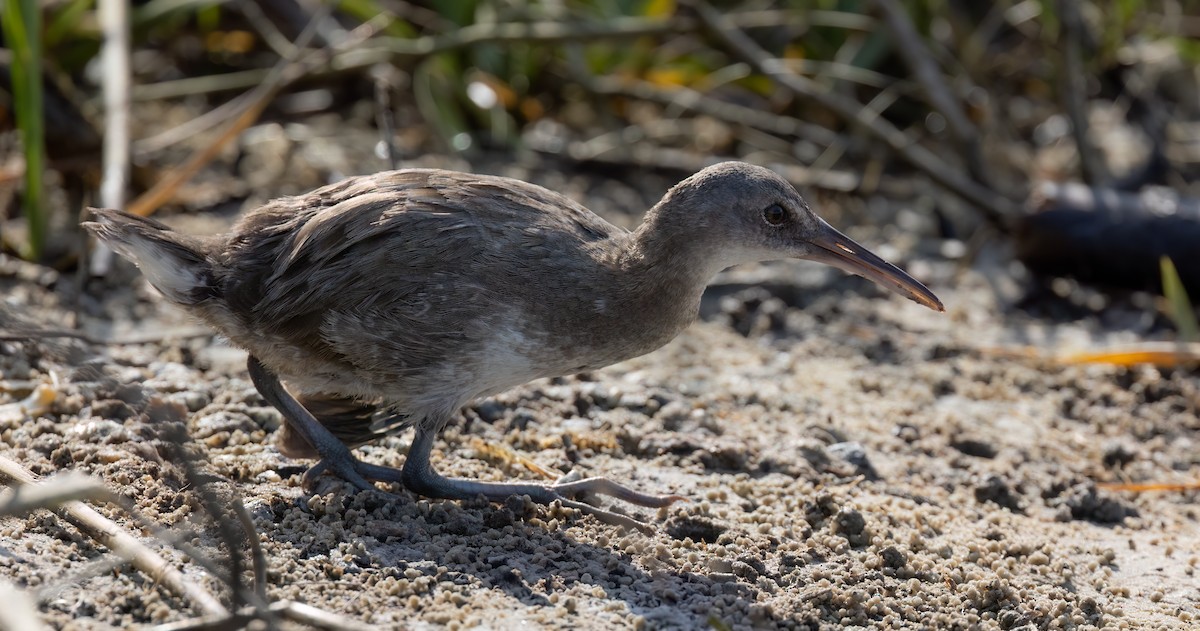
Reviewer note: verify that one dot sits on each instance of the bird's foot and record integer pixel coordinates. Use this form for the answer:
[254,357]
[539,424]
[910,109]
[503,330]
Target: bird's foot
[419,477]
[425,481]
[569,487]
[345,466]
[336,457]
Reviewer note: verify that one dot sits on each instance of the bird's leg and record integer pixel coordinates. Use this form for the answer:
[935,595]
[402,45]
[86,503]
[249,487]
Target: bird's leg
[420,478]
[335,455]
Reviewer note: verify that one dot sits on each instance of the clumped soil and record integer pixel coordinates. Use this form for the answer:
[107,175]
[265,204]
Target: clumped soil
[850,459]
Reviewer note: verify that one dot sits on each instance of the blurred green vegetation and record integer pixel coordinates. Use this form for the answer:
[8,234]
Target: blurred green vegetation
[490,93]
[1179,306]
[814,34]
[23,33]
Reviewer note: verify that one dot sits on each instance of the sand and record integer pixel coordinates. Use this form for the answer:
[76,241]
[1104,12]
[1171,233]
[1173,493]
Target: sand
[851,460]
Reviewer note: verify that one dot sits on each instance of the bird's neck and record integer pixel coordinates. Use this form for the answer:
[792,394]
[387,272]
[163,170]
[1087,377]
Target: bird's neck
[668,266]
[646,290]
[683,254]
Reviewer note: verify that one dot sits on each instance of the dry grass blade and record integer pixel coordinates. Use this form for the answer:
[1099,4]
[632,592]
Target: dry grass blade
[1160,354]
[283,74]
[349,59]
[164,190]
[920,61]
[1073,84]
[734,113]
[121,542]
[1179,306]
[266,29]
[506,456]
[19,612]
[385,116]
[114,20]
[257,556]
[56,492]
[227,531]
[203,122]
[172,333]
[53,492]
[1150,486]
[997,208]
[292,611]
[318,618]
[228,622]
[551,32]
[37,403]
[925,69]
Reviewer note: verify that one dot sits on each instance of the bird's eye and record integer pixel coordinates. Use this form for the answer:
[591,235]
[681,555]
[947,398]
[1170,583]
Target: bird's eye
[774,215]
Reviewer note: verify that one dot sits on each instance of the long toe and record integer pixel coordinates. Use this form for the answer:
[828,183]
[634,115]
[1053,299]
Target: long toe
[380,473]
[420,478]
[358,473]
[609,517]
[432,485]
[604,486]
[569,486]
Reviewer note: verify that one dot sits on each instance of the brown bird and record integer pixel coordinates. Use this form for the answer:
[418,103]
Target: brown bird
[397,298]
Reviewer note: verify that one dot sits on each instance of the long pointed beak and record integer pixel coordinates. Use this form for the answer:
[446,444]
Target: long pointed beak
[834,248]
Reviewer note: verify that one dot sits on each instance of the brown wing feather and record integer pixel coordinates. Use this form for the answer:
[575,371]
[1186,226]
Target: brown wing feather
[407,251]
[350,420]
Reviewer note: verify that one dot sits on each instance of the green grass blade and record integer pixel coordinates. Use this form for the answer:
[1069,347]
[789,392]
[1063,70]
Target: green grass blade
[22,30]
[65,21]
[1179,308]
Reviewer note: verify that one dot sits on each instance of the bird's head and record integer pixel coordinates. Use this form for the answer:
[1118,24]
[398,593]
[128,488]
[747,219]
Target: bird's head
[739,213]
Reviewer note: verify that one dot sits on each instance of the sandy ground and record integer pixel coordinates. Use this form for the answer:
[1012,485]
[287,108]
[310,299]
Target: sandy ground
[851,459]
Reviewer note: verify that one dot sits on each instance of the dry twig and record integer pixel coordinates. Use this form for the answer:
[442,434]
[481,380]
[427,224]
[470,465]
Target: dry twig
[227,531]
[1073,84]
[385,117]
[52,492]
[121,542]
[920,61]
[19,612]
[149,338]
[257,556]
[732,113]
[289,610]
[393,50]
[998,209]
[283,74]
[114,20]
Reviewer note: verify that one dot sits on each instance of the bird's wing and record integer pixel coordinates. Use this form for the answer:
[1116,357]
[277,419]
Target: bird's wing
[388,272]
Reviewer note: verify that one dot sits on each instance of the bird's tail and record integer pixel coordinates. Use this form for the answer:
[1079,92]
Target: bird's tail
[174,263]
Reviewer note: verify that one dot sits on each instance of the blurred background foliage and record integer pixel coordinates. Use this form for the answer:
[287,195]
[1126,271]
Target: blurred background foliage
[978,113]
